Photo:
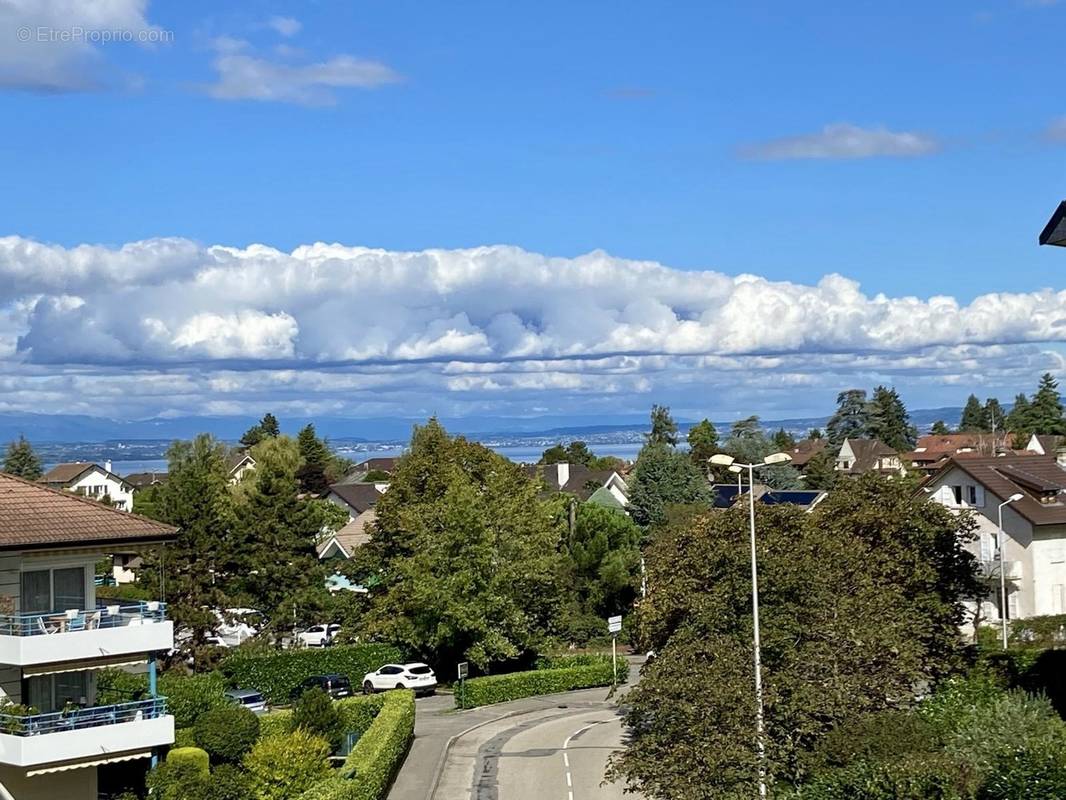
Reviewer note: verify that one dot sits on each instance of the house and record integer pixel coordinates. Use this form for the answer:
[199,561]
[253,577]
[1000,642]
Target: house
[805,450]
[54,637]
[145,480]
[729,494]
[1048,445]
[358,499]
[92,481]
[239,464]
[1034,526]
[931,451]
[580,481]
[858,456]
[363,468]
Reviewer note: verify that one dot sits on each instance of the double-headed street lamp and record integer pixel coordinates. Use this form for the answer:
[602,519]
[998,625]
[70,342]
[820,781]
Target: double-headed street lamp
[1002,572]
[722,460]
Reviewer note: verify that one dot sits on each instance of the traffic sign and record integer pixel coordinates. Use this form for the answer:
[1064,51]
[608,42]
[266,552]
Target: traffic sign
[614,624]
[464,669]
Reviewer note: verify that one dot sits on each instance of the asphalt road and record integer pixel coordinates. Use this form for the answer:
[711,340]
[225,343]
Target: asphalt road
[539,748]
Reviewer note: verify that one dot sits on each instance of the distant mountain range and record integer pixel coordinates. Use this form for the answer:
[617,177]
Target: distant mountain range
[73,428]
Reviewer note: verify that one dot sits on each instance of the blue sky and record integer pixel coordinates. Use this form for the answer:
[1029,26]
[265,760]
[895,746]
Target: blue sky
[916,149]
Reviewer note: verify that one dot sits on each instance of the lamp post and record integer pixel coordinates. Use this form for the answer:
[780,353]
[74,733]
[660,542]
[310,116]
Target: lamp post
[721,459]
[1002,570]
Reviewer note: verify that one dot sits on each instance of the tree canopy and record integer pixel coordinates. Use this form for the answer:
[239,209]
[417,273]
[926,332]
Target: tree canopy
[851,418]
[973,415]
[21,460]
[266,428]
[702,442]
[663,478]
[663,427]
[830,651]
[1045,410]
[889,421]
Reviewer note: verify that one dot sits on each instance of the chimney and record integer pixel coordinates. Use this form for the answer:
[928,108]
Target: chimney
[107,465]
[563,474]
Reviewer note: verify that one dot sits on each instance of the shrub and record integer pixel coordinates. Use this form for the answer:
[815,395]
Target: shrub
[279,674]
[577,660]
[276,723]
[314,713]
[501,688]
[1011,722]
[227,732]
[194,756]
[358,713]
[958,696]
[883,736]
[376,757]
[920,778]
[1038,772]
[228,782]
[181,778]
[281,767]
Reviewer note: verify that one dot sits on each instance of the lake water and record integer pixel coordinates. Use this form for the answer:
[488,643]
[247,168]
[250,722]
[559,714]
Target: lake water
[520,453]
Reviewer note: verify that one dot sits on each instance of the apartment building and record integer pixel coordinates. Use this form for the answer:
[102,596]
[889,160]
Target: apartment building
[55,636]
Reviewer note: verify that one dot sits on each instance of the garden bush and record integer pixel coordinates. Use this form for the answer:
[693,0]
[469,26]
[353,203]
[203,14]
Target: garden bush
[513,686]
[184,737]
[562,661]
[370,767]
[883,736]
[227,732]
[281,767]
[358,713]
[1036,772]
[915,778]
[228,782]
[193,756]
[314,712]
[183,776]
[279,674]
[276,723]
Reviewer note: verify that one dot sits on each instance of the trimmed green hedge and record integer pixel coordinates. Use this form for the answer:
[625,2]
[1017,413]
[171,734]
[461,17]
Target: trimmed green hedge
[193,756]
[370,767]
[358,713]
[516,685]
[276,675]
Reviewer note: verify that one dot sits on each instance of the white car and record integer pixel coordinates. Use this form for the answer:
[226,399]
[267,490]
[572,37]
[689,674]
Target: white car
[318,635]
[401,676]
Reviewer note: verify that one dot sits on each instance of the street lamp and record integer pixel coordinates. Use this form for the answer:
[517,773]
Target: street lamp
[739,472]
[1002,572]
[721,459]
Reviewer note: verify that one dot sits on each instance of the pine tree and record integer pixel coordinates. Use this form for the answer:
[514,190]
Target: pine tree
[22,461]
[662,478]
[663,427]
[1046,408]
[851,419]
[269,425]
[315,457]
[973,416]
[1019,420]
[702,442]
[939,428]
[783,441]
[889,420]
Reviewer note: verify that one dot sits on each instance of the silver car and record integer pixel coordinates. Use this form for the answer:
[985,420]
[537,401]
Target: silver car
[252,699]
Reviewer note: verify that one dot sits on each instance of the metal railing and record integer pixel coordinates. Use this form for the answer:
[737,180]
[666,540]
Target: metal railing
[105,616]
[80,718]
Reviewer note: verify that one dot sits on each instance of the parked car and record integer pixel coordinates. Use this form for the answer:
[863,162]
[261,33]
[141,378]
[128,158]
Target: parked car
[415,676]
[336,686]
[236,625]
[318,635]
[252,699]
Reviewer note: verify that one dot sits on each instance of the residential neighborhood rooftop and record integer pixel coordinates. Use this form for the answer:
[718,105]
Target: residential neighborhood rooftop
[32,515]
[1029,475]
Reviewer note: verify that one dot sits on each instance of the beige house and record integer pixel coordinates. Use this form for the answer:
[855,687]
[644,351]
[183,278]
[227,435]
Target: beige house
[1034,527]
[857,456]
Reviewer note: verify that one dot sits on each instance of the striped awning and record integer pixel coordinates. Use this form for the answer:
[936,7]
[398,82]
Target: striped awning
[94,763]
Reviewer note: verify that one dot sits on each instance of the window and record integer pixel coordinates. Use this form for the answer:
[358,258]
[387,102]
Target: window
[53,589]
[971,495]
[956,493]
[52,692]
[987,546]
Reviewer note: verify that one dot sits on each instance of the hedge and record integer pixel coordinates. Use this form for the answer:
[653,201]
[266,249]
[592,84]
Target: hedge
[184,737]
[193,756]
[358,714]
[276,675]
[516,685]
[374,761]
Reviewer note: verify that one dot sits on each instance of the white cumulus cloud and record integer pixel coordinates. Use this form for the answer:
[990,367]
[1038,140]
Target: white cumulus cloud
[843,141]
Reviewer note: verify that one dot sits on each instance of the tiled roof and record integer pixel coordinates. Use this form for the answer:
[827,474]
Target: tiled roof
[352,536]
[805,450]
[32,515]
[1004,476]
[237,457]
[385,464]
[139,480]
[360,496]
[867,452]
[65,473]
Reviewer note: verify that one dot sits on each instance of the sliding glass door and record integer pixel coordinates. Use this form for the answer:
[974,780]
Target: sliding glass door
[46,590]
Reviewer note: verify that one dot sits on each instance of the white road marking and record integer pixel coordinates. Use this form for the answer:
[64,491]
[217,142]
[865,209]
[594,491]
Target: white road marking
[566,758]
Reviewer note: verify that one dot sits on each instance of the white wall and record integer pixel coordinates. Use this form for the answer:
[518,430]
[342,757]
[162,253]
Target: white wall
[96,483]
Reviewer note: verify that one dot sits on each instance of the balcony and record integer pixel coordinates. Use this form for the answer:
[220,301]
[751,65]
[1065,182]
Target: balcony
[32,740]
[54,636]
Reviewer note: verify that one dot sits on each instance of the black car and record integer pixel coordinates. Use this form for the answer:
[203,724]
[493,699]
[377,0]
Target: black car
[333,684]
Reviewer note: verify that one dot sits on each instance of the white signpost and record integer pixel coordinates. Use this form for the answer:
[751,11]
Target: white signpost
[464,671]
[614,625]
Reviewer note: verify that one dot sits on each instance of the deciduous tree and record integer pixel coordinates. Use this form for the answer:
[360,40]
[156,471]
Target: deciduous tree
[702,442]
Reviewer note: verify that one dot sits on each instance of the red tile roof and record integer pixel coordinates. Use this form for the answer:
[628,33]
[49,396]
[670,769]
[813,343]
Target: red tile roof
[32,515]
[1004,476]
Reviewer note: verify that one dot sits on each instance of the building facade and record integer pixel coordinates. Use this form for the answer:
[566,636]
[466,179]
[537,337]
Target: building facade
[92,481]
[54,638]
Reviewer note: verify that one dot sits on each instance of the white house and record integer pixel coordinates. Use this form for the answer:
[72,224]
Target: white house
[92,481]
[1034,526]
[857,456]
[240,465]
[580,481]
[54,637]
[1046,445]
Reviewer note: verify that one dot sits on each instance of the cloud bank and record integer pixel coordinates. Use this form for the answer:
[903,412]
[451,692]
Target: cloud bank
[172,326]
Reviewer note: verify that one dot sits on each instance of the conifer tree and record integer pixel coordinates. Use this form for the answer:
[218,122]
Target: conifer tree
[22,461]
[663,427]
[851,419]
[315,458]
[939,428]
[702,442]
[1019,420]
[973,416]
[995,418]
[1045,412]
[889,420]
